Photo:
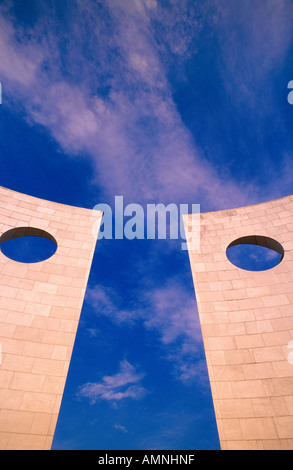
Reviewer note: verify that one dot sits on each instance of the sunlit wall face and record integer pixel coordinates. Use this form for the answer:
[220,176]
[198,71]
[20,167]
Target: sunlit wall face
[245,310]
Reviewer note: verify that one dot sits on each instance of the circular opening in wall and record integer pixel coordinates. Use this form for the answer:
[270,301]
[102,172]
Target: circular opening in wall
[27,244]
[255,253]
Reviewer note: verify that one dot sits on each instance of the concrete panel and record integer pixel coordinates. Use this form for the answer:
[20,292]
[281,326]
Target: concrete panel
[247,324]
[40,305]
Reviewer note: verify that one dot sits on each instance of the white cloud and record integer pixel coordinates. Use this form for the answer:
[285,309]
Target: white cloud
[262,31]
[20,59]
[173,314]
[124,384]
[105,301]
[170,311]
[134,134]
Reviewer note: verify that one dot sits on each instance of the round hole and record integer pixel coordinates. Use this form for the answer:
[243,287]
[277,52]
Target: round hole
[27,244]
[255,253]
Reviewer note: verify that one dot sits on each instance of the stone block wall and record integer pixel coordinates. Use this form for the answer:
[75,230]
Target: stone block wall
[40,305]
[247,326]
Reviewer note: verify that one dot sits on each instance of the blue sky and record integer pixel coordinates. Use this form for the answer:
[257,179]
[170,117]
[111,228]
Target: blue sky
[159,101]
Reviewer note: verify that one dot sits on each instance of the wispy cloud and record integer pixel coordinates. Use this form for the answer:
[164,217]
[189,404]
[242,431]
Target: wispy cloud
[113,104]
[254,39]
[124,384]
[170,428]
[262,31]
[20,56]
[103,91]
[173,314]
[170,312]
[173,311]
[106,301]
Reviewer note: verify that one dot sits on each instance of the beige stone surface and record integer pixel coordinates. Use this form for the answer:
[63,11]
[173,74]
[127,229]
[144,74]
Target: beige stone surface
[40,305]
[247,323]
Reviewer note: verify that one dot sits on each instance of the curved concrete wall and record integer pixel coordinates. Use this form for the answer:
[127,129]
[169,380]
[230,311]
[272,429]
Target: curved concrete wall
[247,325]
[40,306]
